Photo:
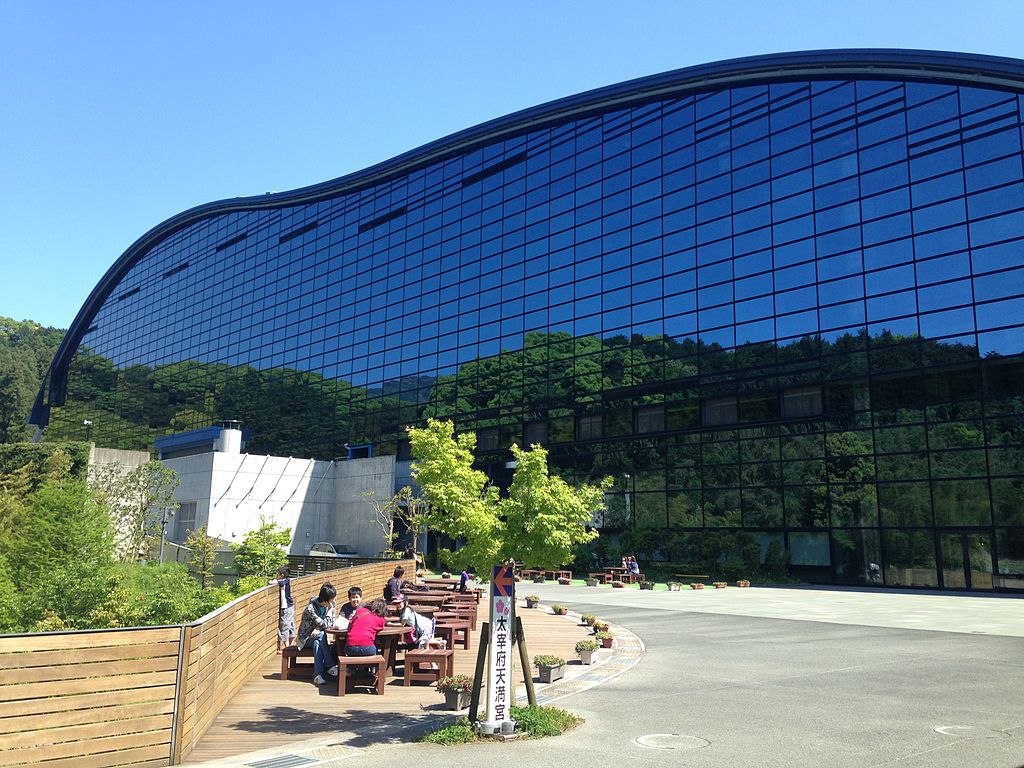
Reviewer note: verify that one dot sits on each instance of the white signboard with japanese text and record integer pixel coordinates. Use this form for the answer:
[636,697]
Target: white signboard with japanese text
[500,689]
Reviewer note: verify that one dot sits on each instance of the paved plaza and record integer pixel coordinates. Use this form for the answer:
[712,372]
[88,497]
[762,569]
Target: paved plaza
[768,677]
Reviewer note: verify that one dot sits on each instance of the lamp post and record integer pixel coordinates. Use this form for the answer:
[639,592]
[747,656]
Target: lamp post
[88,430]
[629,513]
[163,531]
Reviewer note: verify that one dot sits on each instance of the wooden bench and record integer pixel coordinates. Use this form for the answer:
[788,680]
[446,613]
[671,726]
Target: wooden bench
[379,663]
[633,578]
[604,578]
[420,664]
[688,576]
[290,657]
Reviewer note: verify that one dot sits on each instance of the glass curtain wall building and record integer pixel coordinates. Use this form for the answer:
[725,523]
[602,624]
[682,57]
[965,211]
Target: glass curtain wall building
[779,300]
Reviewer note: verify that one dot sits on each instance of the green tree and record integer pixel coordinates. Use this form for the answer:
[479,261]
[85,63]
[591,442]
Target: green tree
[263,550]
[203,556]
[138,501]
[541,522]
[545,519]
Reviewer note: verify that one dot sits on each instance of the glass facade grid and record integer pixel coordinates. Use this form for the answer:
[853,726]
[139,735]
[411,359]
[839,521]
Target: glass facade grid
[792,309]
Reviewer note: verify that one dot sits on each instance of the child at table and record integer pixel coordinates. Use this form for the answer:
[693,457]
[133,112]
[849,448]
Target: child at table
[317,618]
[421,628]
[362,632]
[355,602]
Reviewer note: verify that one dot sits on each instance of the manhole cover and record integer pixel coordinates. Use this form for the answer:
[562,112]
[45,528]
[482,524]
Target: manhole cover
[671,741]
[971,732]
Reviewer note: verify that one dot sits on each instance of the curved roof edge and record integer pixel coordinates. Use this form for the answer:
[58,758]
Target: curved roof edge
[957,68]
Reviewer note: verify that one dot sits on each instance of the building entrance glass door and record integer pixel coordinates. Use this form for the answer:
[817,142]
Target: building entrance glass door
[965,560]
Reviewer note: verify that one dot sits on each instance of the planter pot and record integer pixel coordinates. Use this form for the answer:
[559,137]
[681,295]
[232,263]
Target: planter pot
[565,582]
[719,586]
[456,699]
[561,612]
[591,582]
[618,585]
[696,586]
[550,674]
[606,642]
[589,622]
[647,585]
[587,657]
[539,579]
[531,603]
[673,588]
[742,583]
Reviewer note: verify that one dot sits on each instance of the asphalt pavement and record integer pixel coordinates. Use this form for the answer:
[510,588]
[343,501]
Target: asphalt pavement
[776,677]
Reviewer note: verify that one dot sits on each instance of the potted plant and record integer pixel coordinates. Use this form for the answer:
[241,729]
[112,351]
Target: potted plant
[588,619]
[564,581]
[697,585]
[591,582]
[586,650]
[743,583]
[551,668]
[531,601]
[618,584]
[599,626]
[649,585]
[456,690]
[605,638]
[445,575]
[674,586]
[539,579]
[559,610]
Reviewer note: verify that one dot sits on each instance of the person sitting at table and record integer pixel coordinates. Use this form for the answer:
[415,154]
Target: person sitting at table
[355,602]
[317,617]
[362,631]
[397,585]
[633,565]
[421,628]
[463,580]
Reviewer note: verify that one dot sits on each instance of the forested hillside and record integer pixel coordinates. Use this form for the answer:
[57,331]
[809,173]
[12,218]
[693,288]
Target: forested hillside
[26,349]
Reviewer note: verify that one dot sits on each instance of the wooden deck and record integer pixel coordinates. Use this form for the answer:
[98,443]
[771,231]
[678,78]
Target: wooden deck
[268,712]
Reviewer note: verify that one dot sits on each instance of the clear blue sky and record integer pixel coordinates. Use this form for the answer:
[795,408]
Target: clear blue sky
[116,116]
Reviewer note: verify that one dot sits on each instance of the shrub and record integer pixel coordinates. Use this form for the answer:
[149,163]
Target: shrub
[543,721]
[459,732]
[559,609]
[600,626]
[587,645]
[547,660]
[589,618]
[604,635]
[455,683]
[533,598]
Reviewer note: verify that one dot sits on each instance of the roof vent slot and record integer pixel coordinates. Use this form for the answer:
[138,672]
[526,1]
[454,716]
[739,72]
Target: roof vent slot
[175,270]
[368,225]
[508,162]
[228,243]
[298,232]
[126,294]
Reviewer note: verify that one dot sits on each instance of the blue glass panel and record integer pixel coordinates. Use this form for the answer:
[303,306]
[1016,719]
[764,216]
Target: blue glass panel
[1000,285]
[944,295]
[999,313]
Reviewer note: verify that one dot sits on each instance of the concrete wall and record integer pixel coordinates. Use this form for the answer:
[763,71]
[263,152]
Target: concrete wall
[316,500]
[128,460]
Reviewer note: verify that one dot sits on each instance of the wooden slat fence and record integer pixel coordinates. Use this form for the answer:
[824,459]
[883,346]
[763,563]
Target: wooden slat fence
[142,696]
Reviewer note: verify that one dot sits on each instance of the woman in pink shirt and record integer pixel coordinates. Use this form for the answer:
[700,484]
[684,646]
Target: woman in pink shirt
[362,631]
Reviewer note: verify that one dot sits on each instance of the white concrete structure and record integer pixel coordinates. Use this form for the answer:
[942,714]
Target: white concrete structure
[317,500]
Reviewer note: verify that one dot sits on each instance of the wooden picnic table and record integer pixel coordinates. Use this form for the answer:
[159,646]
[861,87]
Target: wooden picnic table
[420,599]
[387,641]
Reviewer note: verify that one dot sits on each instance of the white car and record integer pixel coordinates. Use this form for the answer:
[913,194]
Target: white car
[326,549]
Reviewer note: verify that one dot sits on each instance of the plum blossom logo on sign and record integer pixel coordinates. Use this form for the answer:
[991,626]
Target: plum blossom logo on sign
[502,607]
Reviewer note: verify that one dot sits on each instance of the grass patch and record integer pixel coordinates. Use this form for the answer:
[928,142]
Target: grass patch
[543,721]
[460,731]
[531,723]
